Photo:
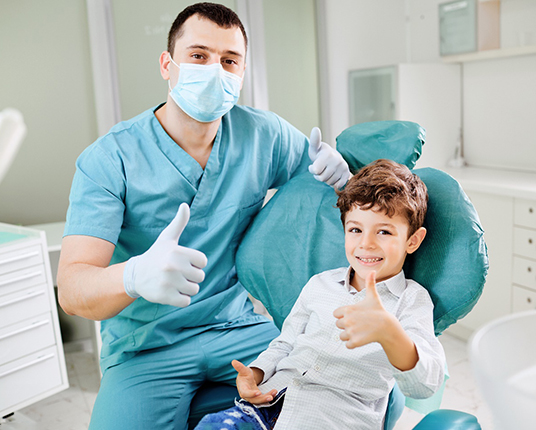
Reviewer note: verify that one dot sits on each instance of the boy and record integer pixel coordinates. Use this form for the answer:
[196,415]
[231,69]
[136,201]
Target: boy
[308,378]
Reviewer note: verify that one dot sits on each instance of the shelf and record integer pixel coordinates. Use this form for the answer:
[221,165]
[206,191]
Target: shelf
[492,54]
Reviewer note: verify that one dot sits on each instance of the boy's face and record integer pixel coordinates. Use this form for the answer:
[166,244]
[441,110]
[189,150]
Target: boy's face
[374,241]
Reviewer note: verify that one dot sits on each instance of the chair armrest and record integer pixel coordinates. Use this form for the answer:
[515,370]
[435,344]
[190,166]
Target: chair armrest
[446,419]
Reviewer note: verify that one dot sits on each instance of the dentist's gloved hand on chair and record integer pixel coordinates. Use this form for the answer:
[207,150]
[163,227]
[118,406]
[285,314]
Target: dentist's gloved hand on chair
[328,165]
[167,273]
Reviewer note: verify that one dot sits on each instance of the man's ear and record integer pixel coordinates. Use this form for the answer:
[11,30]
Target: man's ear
[415,240]
[164,64]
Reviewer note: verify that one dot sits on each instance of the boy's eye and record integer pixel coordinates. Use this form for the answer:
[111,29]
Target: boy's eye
[384,232]
[355,230]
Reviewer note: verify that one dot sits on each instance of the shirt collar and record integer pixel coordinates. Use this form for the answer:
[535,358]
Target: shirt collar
[396,284]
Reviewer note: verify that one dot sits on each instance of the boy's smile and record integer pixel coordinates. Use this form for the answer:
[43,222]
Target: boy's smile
[374,241]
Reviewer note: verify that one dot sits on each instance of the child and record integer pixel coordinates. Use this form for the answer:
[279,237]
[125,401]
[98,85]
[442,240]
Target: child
[353,332]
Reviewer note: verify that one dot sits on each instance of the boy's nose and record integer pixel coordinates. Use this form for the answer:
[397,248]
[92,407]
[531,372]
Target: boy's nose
[367,241]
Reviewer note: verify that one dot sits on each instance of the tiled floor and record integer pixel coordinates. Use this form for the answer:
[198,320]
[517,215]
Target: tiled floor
[71,409]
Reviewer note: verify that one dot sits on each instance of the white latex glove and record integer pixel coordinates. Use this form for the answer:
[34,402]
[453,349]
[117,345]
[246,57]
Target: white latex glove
[167,273]
[328,165]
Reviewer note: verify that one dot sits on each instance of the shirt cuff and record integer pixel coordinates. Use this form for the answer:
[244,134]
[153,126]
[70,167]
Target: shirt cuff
[266,366]
[423,380]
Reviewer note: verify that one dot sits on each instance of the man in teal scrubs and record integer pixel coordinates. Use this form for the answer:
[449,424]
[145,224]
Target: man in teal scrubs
[157,209]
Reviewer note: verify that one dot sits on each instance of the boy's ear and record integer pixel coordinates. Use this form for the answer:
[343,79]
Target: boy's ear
[415,240]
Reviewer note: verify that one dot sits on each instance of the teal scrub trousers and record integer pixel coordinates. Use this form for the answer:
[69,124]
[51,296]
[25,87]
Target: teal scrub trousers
[154,389]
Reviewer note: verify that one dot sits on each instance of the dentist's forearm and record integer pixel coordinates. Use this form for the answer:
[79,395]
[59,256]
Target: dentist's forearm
[87,285]
[91,292]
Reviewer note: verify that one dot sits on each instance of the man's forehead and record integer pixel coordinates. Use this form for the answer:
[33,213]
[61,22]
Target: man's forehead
[202,32]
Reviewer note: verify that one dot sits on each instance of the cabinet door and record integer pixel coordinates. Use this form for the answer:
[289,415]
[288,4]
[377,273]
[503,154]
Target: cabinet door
[372,95]
[496,216]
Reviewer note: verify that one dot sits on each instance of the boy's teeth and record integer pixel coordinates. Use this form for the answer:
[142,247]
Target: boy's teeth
[369,260]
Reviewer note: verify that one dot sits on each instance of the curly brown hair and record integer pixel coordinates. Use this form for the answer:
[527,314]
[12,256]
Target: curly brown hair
[386,186]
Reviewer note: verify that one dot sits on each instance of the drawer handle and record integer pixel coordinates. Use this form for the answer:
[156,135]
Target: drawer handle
[20,299]
[529,269]
[529,300]
[31,363]
[20,257]
[530,241]
[531,210]
[20,278]
[22,330]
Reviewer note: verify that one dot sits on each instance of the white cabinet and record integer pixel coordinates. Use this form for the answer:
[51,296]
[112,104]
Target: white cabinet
[510,232]
[496,216]
[32,363]
[524,274]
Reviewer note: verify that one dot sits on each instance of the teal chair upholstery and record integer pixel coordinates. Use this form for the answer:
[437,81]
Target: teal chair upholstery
[299,234]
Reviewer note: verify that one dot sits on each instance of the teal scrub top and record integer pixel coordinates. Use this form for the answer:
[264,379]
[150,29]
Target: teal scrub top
[128,187]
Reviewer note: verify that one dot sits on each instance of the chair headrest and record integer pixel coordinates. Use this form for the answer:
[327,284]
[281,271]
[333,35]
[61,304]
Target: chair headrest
[299,234]
[400,141]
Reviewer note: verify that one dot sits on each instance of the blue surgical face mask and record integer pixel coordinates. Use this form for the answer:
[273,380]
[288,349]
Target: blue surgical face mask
[203,92]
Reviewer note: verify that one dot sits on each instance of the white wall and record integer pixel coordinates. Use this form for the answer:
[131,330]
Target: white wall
[499,106]
[359,34]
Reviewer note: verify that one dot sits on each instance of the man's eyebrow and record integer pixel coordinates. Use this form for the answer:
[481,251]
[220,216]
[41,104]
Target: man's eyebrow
[206,48]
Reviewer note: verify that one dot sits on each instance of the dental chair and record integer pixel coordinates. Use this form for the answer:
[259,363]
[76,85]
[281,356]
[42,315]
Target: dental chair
[299,234]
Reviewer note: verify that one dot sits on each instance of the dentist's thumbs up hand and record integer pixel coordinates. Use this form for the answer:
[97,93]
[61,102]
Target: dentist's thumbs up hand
[167,273]
[328,165]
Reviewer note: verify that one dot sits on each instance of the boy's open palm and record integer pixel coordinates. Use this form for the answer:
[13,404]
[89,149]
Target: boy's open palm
[365,322]
[247,385]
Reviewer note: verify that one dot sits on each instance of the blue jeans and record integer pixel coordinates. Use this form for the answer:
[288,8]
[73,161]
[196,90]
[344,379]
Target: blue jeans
[244,416]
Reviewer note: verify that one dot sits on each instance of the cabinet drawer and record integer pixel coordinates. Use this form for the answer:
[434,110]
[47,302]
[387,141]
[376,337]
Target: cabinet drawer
[29,336]
[525,272]
[523,299]
[21,258]
[28,377]
[525,242]
[525,213]
[17,307]
[21,279]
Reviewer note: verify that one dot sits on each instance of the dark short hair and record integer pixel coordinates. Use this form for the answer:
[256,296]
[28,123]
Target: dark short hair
[386,186]
[217,13]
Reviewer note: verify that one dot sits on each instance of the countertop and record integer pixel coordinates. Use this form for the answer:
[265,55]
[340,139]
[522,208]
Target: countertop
[495,181]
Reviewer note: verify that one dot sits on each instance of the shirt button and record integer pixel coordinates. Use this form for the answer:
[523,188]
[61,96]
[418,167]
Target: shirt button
[317,368]
[336,338]
[295,382]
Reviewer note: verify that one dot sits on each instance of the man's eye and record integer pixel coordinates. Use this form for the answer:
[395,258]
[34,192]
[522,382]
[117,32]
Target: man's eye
[197,56]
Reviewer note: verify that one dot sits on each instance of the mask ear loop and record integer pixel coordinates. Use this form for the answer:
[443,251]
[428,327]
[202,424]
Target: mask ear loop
[169,80]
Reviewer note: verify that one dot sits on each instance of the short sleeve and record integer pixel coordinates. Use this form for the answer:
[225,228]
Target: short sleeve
[96,202]
[293,157]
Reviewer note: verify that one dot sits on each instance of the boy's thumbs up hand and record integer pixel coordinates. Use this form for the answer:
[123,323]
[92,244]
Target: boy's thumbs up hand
[167,273]
[363,322]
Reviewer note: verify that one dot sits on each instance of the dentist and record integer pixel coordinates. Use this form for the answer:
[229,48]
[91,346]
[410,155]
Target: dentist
[158,207]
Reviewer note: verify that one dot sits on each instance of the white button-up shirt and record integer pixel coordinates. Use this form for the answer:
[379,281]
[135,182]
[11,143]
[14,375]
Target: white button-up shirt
[331,386]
